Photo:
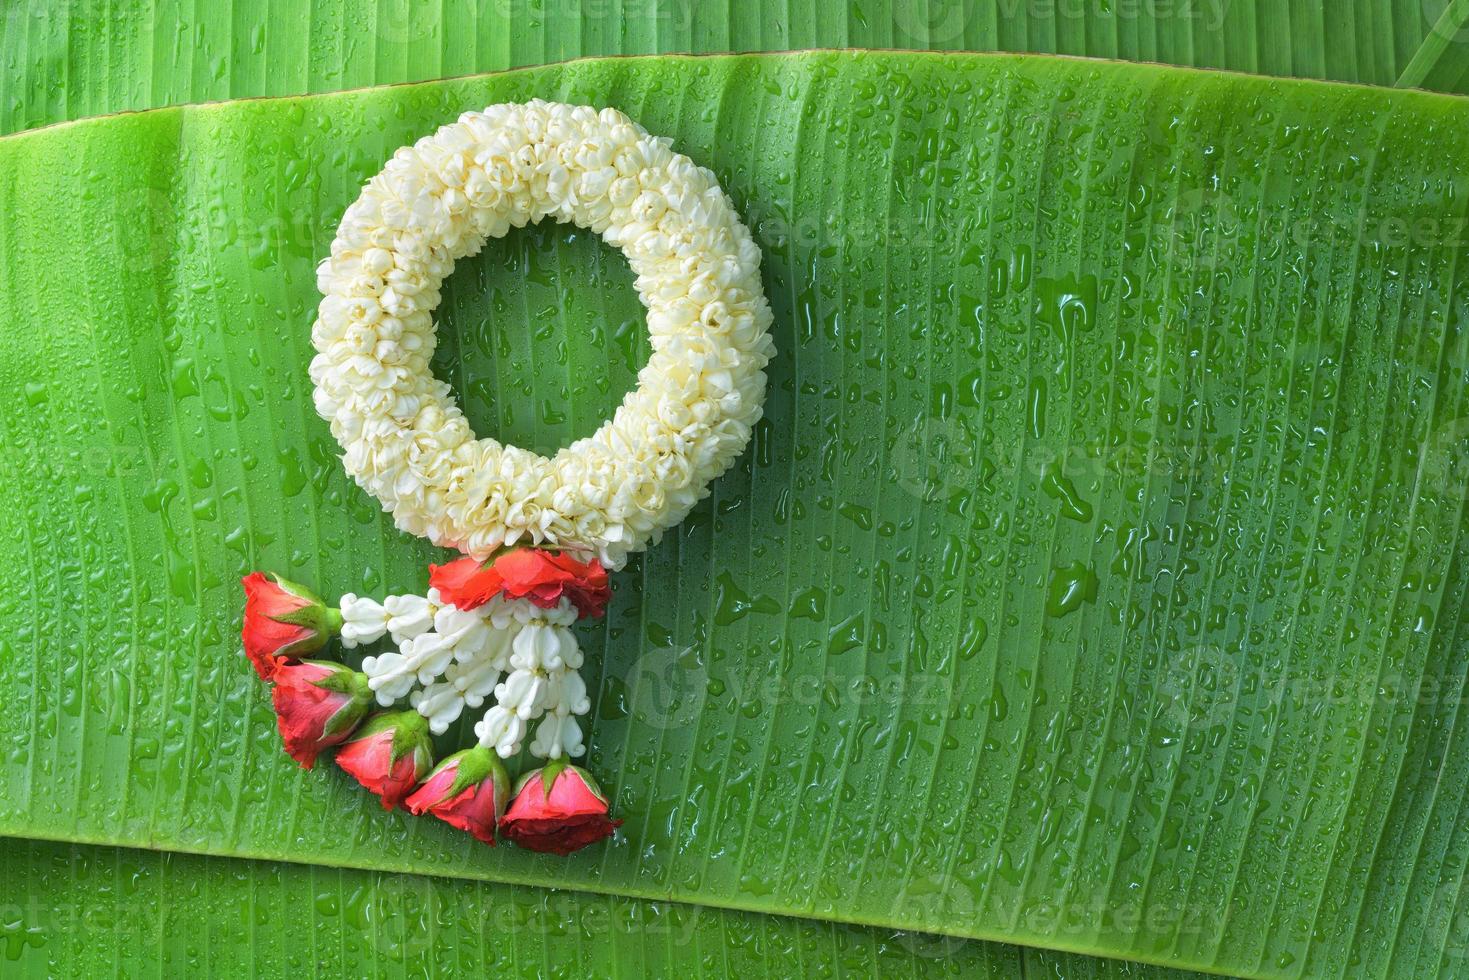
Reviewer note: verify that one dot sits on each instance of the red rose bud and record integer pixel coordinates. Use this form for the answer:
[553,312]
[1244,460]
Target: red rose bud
[283,621]
[467,790]
[543,577]
[557,809]
[389,754]
[318,705]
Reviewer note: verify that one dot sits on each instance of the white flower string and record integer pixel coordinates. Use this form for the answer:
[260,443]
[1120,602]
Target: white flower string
[448,659]
[406,441]
[494,628]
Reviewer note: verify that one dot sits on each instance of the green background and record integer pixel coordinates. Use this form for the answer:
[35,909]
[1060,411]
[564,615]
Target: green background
[170,693]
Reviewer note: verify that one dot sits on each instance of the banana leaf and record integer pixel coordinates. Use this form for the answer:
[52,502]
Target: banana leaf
[106,911]
[1093,582]
[103,911]
[62,61]
[57,63]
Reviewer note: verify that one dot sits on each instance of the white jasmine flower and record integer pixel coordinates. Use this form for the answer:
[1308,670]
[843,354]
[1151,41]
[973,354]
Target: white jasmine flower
[523,692]
[474,681]
[501,730]
[409,615]
[567,694]
[364,621]
[391,676]
[557,736]
[419,659]
[465,684]
[539,645]
[429,654]
[440,704]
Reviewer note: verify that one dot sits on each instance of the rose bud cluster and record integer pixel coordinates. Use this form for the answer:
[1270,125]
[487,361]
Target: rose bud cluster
[543,577]
[318,703]
[485,630]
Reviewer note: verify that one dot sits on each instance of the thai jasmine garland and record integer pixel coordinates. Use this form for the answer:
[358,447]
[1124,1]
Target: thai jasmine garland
[492,632]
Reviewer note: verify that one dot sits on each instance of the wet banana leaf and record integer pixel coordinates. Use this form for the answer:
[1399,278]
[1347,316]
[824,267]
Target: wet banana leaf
[58,65]
[107,911]
[1093,583]
[89,57]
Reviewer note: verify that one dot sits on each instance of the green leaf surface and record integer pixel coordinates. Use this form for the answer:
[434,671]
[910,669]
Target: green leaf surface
[83,911]
[62,61]
[85,58]
[1094,581]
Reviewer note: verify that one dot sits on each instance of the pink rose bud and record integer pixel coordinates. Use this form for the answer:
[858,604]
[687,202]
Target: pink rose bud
[283,622]
[389,754]
[318,705]
[557,809]
[468,790]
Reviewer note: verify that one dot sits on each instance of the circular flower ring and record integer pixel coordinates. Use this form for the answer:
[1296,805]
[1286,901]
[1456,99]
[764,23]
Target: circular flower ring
[697,272]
